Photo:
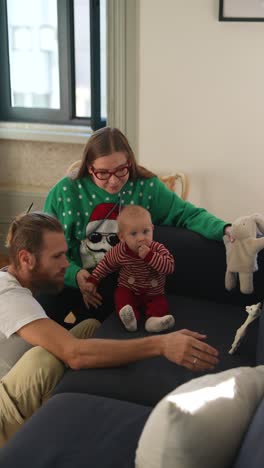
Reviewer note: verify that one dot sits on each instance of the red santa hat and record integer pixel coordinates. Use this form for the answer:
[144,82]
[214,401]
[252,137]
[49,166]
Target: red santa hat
[105,211]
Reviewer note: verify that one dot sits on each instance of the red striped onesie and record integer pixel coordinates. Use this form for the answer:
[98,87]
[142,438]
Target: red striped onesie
[141,282]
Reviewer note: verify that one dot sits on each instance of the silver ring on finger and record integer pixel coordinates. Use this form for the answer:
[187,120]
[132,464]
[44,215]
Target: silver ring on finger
[195,361]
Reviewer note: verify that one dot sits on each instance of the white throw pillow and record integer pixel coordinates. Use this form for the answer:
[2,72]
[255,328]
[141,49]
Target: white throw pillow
[201,423]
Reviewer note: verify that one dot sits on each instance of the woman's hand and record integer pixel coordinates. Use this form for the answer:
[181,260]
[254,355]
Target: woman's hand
[227,232]
[187,349]
[88,290]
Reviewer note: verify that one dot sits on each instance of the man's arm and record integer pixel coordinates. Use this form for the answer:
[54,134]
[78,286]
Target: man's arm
[183,347]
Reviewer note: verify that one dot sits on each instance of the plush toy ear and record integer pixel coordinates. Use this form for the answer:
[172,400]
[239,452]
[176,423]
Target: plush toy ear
[259,219]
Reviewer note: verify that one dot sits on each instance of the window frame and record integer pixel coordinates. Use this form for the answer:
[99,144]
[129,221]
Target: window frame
[66,115]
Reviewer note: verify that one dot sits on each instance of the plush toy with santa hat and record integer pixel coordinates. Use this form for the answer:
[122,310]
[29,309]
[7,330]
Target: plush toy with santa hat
[101,234]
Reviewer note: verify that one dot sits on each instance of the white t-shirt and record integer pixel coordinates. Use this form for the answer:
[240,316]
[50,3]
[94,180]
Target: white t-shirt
[17,308]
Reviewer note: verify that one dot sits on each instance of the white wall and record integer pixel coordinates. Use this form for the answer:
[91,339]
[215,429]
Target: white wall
[201,102]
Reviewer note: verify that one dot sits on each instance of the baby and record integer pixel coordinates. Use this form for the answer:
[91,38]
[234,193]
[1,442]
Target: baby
[143,265]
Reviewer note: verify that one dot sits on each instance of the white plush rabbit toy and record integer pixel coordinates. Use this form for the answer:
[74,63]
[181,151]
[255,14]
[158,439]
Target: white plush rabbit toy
[241,254]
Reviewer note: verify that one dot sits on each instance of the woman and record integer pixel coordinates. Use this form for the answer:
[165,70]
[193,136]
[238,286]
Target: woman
[87,204]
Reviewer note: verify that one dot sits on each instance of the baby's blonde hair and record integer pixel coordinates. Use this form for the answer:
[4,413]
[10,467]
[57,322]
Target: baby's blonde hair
[131,211]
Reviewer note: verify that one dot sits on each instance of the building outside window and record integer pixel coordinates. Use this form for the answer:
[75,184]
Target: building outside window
[54,61]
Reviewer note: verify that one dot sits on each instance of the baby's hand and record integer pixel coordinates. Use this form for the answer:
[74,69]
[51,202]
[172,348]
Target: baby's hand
[143,250]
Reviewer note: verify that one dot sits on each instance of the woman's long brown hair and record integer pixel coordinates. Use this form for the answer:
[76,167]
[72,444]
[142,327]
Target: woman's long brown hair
[105,142]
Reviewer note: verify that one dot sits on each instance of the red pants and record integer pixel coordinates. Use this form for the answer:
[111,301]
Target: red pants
[153,306]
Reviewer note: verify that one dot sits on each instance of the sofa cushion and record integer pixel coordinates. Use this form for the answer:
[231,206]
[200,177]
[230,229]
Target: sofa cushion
[147,381]
[74,430]
[202,423]
[251,453]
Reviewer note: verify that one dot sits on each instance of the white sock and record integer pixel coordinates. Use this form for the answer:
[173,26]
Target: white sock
[128,318]
[158,324]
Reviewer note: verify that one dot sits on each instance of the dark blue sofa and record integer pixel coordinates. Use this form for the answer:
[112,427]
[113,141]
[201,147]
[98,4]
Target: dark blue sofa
[96,415]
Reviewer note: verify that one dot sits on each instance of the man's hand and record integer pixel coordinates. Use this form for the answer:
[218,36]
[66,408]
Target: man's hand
[143,250]
[88,290]
[186,348]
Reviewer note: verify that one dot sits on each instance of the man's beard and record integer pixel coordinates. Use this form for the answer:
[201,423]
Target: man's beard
[42,282]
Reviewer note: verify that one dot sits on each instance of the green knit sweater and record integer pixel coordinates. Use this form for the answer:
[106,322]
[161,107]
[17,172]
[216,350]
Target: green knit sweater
[72,202]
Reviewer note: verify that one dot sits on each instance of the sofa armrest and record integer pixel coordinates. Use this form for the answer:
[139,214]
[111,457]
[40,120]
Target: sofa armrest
[77,430]
[260,340]
[251,452]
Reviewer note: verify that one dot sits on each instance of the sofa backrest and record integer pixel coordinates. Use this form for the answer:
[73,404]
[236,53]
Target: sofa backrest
[200,266]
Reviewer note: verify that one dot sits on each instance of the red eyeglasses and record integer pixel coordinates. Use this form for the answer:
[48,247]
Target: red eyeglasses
[104,174]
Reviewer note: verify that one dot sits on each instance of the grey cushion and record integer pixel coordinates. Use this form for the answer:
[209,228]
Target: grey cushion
[201,424]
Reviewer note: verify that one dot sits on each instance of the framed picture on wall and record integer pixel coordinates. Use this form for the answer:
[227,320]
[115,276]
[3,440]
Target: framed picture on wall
[241,10]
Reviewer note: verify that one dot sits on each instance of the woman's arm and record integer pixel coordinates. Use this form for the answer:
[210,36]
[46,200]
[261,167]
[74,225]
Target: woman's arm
[169,209]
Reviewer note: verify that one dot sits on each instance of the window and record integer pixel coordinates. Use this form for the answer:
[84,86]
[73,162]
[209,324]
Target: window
[54,61]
